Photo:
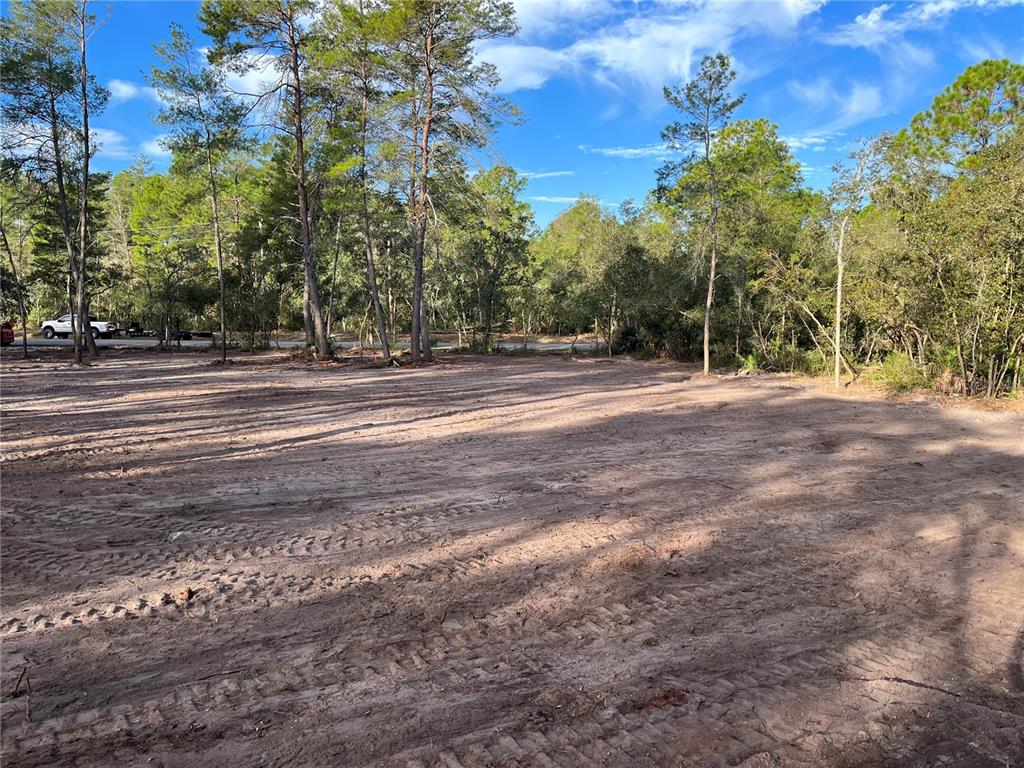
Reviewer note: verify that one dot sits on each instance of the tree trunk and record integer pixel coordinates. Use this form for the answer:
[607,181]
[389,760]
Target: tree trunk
[487,318]
[392,303]
[307,317]
[311,291]
[65,221]
[378,309]
[217,248]
[841,266]
[428,353]
[371,268]
[90,342]
[611,326]
[417,272]
[257,319]
[420,217]
[714,243]
[334,276]
[21,293]
[417,296]
[83,206]
[711,290]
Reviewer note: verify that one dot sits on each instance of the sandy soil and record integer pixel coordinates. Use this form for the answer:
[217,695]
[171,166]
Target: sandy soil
[503,562]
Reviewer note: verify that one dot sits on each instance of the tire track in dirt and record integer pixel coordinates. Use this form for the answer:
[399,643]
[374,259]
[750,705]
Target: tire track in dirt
[638,580]
[454,656]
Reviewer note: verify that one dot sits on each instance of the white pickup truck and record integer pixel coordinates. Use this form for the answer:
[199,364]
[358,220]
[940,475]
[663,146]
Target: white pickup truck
[62,328]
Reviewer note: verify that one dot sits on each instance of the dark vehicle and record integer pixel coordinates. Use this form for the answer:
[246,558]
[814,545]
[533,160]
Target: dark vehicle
[176,335]
[136,330]
[6,335]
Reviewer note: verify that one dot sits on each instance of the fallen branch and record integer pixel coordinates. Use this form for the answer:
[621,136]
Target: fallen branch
[17,685]
[212,675]
[936,688]
[627,573]
[445,614]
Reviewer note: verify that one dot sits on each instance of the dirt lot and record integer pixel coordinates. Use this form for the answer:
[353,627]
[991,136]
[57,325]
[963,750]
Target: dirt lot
[503,562]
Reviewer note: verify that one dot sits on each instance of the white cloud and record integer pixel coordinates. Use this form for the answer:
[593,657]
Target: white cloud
[814,142]
[930,9]
[628,52]
[255,82]
[554,199]
[656,151]
[565,200]
[544,174]
[883,26]
[538,18]
[261,74]
[862,101]
[25,139]
[816,93]
[975,49]
[109,143]
[524,67]
[885,33]
[124,90]
[868,29]
[155,148]
[797,9]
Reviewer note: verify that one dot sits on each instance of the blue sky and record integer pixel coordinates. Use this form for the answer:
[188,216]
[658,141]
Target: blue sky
[588,76]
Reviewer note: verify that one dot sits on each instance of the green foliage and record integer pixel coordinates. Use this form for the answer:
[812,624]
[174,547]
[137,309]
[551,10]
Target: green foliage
[196,104]
[465,106]
[900,373]
[8,294]
[488,243]
[749,363]
[984,103]
[940,271]
[170,249]
[708,104]
[384,102]
[39,85]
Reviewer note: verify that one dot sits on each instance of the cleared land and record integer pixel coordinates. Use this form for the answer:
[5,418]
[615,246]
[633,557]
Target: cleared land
[503,562]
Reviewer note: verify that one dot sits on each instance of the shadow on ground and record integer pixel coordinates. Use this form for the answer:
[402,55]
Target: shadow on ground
[513,562]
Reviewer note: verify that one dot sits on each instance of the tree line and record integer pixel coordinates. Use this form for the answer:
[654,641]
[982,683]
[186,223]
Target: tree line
[344,195]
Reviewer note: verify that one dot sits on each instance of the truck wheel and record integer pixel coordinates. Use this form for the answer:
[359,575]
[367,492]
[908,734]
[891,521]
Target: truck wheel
[48,332]
[94,333]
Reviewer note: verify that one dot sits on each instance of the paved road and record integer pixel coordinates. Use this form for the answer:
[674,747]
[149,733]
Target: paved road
[533,346]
